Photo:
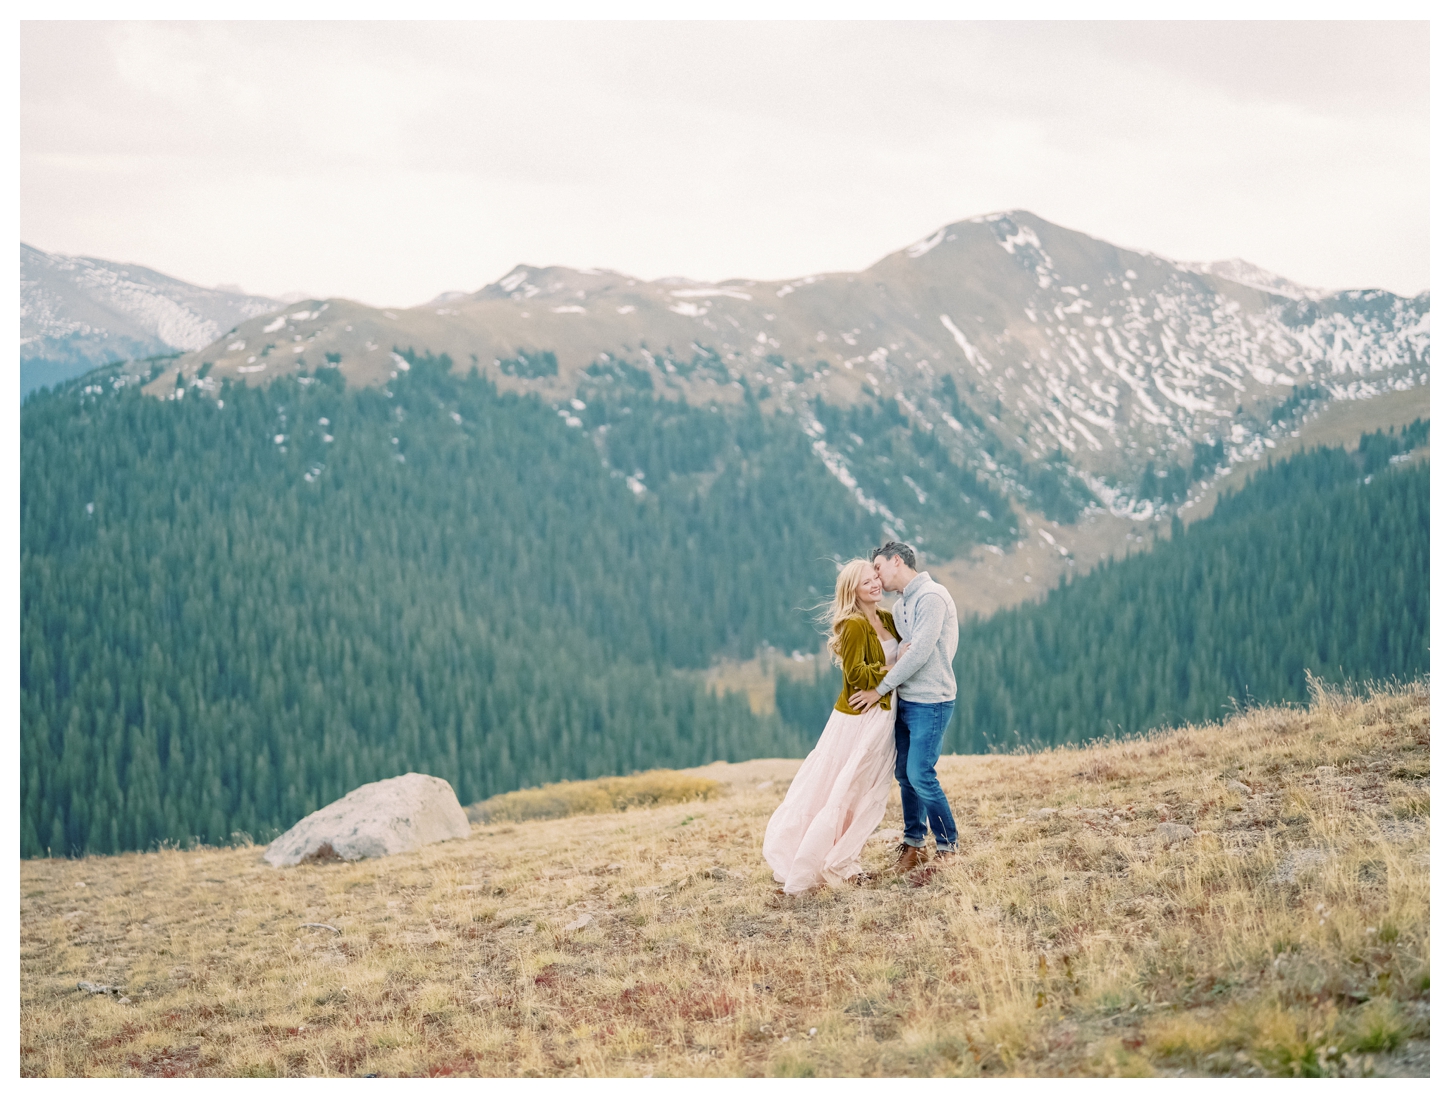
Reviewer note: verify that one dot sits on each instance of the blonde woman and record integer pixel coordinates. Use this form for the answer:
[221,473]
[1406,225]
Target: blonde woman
[839,794]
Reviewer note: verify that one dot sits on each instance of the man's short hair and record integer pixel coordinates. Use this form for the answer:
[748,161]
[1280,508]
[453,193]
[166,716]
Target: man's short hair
[897,549]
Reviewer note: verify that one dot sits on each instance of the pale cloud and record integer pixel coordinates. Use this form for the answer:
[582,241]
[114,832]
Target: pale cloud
[388,162]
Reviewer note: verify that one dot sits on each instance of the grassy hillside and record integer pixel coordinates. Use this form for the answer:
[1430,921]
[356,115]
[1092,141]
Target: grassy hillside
[1289,935]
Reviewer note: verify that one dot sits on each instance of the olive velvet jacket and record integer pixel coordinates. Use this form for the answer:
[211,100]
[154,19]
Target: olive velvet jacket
[863,660]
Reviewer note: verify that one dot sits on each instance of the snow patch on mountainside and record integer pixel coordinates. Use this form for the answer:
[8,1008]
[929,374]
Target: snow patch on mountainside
[836,465]
[921,247]
[713,291]
[961,340]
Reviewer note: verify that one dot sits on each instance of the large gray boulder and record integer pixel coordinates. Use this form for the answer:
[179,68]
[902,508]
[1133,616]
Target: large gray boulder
[387,817]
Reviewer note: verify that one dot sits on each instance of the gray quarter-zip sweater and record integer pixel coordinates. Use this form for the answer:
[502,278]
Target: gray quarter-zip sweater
[926,617]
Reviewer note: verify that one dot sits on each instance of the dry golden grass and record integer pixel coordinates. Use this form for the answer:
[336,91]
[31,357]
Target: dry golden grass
[1289,936]
[558,799]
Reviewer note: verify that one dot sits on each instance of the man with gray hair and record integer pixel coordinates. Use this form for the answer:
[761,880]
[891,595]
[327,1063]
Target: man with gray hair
[926,692]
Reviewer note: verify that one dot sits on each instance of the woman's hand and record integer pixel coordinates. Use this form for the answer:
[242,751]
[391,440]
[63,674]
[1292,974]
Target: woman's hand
[862,700]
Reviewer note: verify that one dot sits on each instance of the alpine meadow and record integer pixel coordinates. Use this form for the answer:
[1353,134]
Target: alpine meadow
[733,548]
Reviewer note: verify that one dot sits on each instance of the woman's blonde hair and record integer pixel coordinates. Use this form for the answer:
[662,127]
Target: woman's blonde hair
[844,604]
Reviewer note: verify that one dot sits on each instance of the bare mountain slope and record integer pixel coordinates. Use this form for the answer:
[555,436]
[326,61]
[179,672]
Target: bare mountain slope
[1256,278]
[1008,336]
[77,313]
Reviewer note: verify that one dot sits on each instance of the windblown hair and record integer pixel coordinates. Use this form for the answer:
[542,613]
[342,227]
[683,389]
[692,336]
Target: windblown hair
[844,604]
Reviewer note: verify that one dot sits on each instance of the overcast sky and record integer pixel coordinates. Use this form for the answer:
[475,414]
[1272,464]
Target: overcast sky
[390,162]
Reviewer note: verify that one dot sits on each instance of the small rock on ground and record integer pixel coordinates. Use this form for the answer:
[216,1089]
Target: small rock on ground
[1174,833]
[1295,863]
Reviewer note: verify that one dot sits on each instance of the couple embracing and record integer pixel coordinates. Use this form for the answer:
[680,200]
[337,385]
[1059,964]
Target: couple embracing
[896,698]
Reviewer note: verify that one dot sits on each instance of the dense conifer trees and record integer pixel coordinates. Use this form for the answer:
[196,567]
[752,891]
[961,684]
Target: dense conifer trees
[237,605]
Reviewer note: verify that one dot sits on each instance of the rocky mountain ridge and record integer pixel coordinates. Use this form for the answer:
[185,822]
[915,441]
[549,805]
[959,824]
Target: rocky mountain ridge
[1027,349]
[77,313]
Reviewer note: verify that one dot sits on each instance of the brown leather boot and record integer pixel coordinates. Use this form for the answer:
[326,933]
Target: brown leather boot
[908,858]
[942,859]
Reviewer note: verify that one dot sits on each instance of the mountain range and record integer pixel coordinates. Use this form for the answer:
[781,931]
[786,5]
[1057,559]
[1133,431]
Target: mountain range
[1020,343]
[1067,372]
[77,313]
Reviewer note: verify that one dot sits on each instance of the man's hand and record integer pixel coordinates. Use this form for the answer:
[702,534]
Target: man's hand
[863,700]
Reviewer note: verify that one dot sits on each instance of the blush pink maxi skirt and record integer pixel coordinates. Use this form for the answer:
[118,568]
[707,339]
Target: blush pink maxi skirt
[835,802]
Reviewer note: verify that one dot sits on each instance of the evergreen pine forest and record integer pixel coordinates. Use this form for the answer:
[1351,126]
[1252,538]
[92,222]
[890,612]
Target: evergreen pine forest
[238,606]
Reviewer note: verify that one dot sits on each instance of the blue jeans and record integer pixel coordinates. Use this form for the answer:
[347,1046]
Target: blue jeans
[919,729]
